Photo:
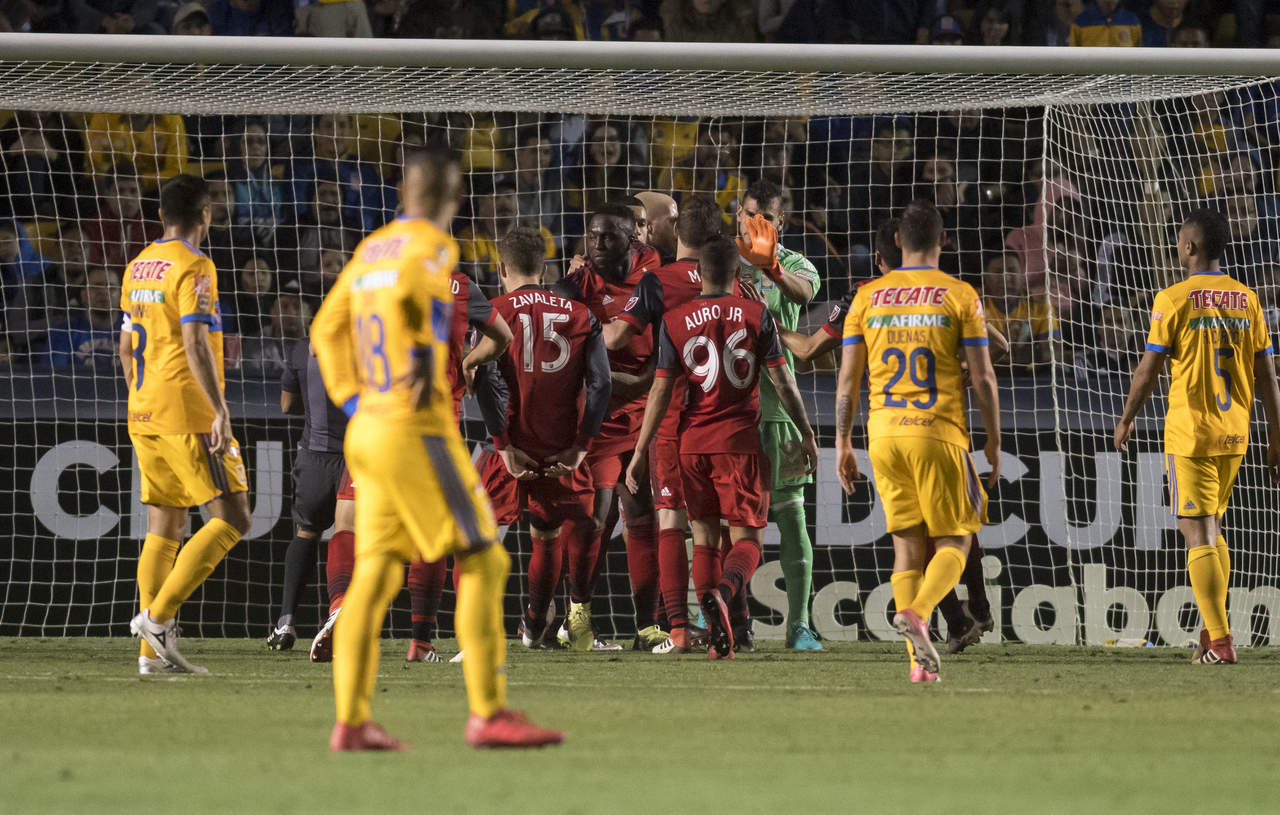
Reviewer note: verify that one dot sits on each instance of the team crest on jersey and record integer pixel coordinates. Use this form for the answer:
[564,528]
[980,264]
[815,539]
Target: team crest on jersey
[835,314]
[631,301]
[1157,316]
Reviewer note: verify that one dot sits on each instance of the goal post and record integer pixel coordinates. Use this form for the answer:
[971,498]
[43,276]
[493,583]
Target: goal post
[1061,173]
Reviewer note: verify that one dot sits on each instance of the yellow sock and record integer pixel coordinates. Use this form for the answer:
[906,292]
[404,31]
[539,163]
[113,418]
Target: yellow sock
[1224,560]
[1209,588]
[195,562]
[481,583]
[374,584]
[940,576]
[155,561]
[905,587]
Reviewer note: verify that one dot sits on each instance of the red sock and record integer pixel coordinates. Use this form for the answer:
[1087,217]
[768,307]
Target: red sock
[642,565]
[426,586]
[340,559]
[739,566]
[544,571]
[706,570]
[581,541]
[673,576]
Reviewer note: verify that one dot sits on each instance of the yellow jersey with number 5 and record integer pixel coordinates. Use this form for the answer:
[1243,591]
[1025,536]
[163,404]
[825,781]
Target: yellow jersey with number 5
[1212,328]
[168,284]
[393,302]
[915,322]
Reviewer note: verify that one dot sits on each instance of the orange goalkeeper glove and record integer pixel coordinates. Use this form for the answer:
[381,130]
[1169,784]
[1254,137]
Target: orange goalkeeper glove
[760,247]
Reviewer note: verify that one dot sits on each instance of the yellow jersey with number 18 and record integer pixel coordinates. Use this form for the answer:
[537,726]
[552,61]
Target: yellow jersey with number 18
[915,321]
[1212,327]
[169,283]
[392,302]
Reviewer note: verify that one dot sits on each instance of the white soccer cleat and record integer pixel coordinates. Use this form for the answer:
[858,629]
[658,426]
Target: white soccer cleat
[458,657]
[148,666]
[163,637]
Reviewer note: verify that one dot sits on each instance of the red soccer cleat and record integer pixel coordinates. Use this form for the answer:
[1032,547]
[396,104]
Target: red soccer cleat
[367,736]
[908,624]
[1220,652]
[508,728]
[919,674]
[719,626]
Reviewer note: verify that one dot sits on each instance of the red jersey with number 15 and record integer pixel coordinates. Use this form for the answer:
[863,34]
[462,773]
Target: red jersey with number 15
[470,310]
[719,342]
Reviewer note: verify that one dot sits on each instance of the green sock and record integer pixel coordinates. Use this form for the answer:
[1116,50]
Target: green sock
[797,558]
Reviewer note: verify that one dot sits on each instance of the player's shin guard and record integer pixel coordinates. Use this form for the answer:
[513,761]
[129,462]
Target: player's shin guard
[374,585]
[1209,588]
[299,563]
[796,554]
[340,559]
[155,561]
[906,585]
[544,572]
[642,564]
[580,540]
[673,576]
[940,576]
[739,566]
[706,570]
[426,587]
[194,563]
[481,582]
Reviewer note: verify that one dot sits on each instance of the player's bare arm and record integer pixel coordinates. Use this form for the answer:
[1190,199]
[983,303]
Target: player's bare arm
[204,368]
[1265,385]
[617,334]
[1144,382]
[494,339]
[982,377]
[784,384]
[853,366]
[810,346]
[654,410]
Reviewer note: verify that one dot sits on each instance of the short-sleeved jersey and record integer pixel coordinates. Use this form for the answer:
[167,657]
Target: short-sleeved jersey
[471,309]
[323,424]
[169,283]
[719,342]
[915,322]
[393,302]
[787,314]
[1212,327]
[545,367]
[1032,319]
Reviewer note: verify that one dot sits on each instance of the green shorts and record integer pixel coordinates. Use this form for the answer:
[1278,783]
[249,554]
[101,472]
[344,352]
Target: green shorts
[782,444]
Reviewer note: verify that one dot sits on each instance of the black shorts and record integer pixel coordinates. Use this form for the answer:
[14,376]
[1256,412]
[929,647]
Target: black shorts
[316,477]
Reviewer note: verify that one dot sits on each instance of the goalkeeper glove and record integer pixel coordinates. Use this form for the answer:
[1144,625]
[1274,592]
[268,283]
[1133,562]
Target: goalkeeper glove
[760,247]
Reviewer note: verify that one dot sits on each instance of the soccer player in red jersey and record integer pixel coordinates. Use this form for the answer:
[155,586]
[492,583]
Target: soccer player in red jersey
[557,383]
[614,266]
[659,292]
[471,311]
[718,342]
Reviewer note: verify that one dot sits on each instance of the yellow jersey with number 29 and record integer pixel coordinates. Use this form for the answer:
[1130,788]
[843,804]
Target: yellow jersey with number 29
[1212,328]
[393,302]
[915,321]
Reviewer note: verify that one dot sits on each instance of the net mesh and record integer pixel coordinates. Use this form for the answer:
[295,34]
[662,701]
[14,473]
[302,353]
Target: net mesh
[1060,195]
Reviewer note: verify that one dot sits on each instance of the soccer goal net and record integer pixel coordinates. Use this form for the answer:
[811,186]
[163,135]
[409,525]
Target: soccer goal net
[1061,174]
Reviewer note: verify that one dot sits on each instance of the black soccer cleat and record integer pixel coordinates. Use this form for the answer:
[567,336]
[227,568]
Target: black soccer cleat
[719,628]
[282,638]
[744,637]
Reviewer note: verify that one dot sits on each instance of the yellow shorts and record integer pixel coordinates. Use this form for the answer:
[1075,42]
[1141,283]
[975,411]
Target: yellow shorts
[1200,485]
[419,496]
[923,480]
[178,471]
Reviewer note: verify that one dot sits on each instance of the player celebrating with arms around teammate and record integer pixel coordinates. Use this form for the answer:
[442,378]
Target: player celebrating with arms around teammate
[171,352]
[719,341]
[382,340]
[1211,325]
[906,330]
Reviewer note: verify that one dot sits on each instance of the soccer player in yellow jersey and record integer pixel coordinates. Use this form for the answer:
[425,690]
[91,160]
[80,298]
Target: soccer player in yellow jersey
[171,353]
[907,330]
[1212,327]
[382,340]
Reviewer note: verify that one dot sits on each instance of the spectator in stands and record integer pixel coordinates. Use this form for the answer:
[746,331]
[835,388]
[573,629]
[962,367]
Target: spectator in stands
[333,143]
[64,277]
[1160,21]
[259,193]
[544,20]
[791,20]
[21,280]
[121,230]
[711,168]
[1053,23]
[882,21]
[993,24]
[605,171]
[156,145]
[263,355]
[1190,35]
[1114,348]
[708,21]
[115,16]
[1058,213]
[881,185]
[807,232]
[538,189]
[251,18]
[1026,322]
[957,203]
[612,20]
[37,175]
[226,241]
[1103,22]
[1253,234]
[324,222]
[331,18]
[191,20]
[496,212]
[946,30]
[89,339]
[255,291]
[333,256]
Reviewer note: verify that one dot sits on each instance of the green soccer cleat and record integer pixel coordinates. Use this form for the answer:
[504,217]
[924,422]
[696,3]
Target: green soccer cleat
[648,638]
[579,624]
[800,637]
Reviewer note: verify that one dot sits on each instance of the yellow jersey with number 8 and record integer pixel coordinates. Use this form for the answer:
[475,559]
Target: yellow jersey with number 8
[915,321]
[393,302]
[1212,328]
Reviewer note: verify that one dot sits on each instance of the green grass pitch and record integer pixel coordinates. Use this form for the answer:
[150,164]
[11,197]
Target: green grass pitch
[1013,729]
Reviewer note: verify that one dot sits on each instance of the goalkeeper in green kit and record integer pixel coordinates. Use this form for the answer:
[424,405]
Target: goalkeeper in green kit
[788,282]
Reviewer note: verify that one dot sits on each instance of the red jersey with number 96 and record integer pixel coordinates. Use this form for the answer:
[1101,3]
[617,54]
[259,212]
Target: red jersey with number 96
[719,343]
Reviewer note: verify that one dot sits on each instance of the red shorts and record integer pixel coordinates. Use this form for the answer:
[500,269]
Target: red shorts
[664,474]
[607,469]
[346,487]
[549,502]
[501,487]
[733,487]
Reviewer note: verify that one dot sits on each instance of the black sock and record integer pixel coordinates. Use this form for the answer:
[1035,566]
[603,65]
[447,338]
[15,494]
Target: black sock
[979,605]
[424,629]
[953,613]
[299,562]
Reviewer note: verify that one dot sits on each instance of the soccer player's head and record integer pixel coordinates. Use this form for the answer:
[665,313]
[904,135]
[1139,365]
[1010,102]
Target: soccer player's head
[700,222]
[920,228]
[660,211]
[609,238]
[522,253]
[718,263]
[888,254]
[431,186]
[633,203]
[762,198]
[185,205]
[1203,238]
